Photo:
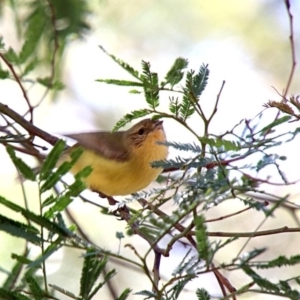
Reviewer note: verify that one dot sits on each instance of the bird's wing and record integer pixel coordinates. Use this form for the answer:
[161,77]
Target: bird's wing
[107,144]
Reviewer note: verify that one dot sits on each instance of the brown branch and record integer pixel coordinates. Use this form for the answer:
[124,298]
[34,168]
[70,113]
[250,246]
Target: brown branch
[292,42]
[216,103]
[160,213]
[228,216]
[156,274]
[124,213]
[31,129]
[284,229]
[10,66]
[267,181]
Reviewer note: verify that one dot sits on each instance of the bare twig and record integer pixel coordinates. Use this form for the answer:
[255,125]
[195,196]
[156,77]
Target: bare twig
[228,216]
[11,67]
[284,229]
[292,42]
[31,129]
[217,102]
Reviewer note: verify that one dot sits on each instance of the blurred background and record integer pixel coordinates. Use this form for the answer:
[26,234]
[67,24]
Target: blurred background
[246,43]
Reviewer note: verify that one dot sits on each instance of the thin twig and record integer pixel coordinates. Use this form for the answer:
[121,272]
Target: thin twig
[11,67]
[284,229]
[292,42]
[217,102]
[228,216]
[27,125]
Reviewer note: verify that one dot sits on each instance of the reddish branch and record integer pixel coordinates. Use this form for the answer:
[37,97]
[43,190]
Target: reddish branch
[31,129]
[11,67]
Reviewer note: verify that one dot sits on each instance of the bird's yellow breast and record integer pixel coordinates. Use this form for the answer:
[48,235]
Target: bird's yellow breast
[113,178]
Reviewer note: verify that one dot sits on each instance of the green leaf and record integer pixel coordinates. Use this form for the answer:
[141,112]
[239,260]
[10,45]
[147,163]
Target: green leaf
[52,159]
[63,291]
[56,176]
[261,282]
[186,107]
[34,31]
[130,117]
[36,292]
[221,143]
[203,245]
[279,262]
[124,65]
[252,254]
[84,173]
[14,275]
[30,66]
[12,295]
[11,56]
[23,168]
[120,82]
[53,247]
[107,277]
[150,83]
[51,199]
[21,230]
[42,221]
[119,235]
[202,294]
[178,287]
[64,168]
[4,74]
[200,80]
[277,122]
[60,204]
[93,266]
[124,294]
[21,259]
[175,74]
[174,106]
[50,84]
[135,92]
[183,146]
[146,293]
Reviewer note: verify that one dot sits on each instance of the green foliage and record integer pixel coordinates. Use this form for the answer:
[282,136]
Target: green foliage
[203,245]
[150,83]
[271,126]
[176,73]
[49,83]
[280,262]
[202,294]
[9,295]
[23,168]
[221,143]
[20,230]
[93,266]
[220,167]
[124,294]
[183,146]
[283,288]
[52,159]
[130,117]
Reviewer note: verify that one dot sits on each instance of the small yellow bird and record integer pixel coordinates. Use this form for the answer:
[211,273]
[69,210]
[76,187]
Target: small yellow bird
[121,161]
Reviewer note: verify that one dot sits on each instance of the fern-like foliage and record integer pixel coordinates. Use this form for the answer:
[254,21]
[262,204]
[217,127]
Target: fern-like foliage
[92,268]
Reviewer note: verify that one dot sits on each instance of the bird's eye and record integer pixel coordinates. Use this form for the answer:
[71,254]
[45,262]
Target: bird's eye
[141,131]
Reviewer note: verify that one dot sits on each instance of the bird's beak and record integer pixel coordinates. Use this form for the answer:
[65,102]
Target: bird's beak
[158,124]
